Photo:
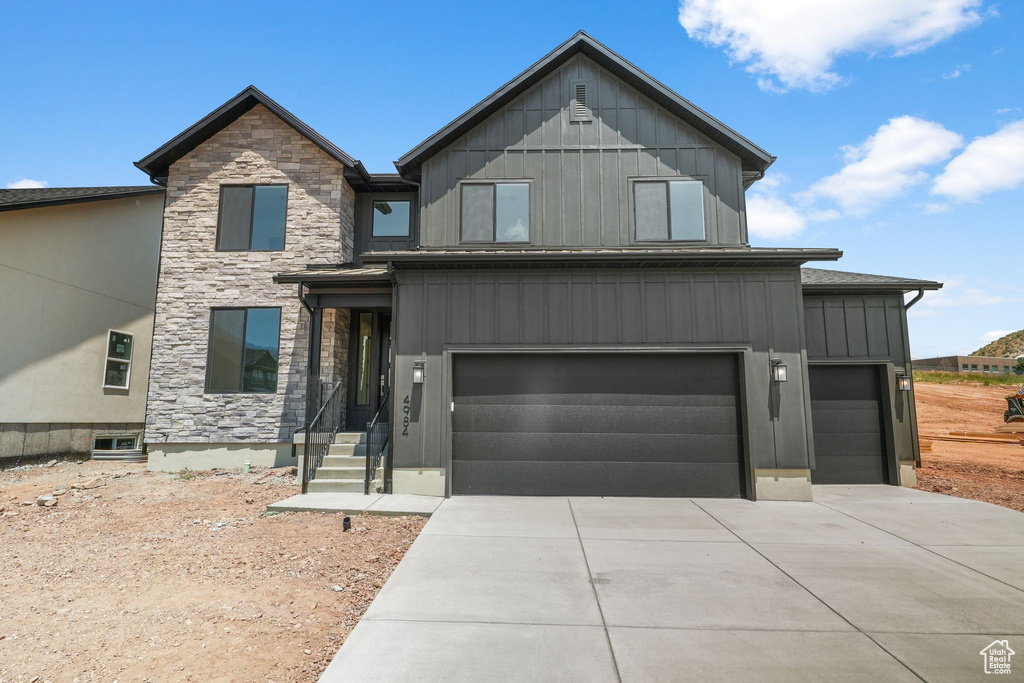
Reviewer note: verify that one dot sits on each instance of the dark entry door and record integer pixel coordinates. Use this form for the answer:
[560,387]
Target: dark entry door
[369,376]
[600,424]
[849,428]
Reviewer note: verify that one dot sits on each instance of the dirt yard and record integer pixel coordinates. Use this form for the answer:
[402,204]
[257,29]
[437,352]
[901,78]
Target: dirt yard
[990,472]
[179,578]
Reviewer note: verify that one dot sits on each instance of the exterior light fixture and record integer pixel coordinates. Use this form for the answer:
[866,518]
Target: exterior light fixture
[779,371]
[418,371]
[903,382]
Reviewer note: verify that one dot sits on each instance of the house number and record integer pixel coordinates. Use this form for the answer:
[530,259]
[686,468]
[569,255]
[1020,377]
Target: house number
[405,417]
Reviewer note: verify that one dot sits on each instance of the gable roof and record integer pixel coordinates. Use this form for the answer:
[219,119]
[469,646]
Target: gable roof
[754,158]
[33,197]
[158,161]
[841,282]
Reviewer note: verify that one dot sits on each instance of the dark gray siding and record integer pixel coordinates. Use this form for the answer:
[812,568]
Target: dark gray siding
[866,329]
[694,310]
[581,169]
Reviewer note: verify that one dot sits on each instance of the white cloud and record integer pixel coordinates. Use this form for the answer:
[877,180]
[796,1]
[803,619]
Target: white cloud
[25,183]
[995,334]
[886,164]
[932,208]
[991,163]
[1006,110]
[794,43]
[957,293]
[772,217]
[957,72]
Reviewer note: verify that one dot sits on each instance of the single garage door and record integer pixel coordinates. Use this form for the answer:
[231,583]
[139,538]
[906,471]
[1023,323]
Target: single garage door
[849,434]
[603,424]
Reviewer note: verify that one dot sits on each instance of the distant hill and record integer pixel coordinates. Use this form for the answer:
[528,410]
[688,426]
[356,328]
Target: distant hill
[1010,346]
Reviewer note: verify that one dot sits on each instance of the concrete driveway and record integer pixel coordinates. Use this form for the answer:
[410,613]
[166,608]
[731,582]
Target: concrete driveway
[867,583]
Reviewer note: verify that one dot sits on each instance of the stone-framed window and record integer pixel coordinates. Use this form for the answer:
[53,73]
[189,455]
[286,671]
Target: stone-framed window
[243,351]
[252,217]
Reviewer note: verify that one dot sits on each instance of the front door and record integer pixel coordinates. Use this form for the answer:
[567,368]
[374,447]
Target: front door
[369,366]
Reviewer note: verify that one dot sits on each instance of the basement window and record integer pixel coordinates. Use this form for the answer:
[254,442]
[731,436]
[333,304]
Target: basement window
[495,212]
[252,217]
[243,351]
[117,371]
[115,443]
[669,210]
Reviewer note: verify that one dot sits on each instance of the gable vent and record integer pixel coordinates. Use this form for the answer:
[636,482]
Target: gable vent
[579,101]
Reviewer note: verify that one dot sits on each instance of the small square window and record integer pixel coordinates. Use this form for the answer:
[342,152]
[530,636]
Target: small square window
[496,212]
[118,369]
[669,210]
[965,367]
[391,218]
[243,353]
[252,217]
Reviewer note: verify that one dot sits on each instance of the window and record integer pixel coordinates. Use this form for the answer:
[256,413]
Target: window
[115,443]
[496,212]
[1006,369]
[252,217]
[669,210]
[985,368]
[391,218]
[118,369]
[974,367]
[965,367]
[243,350]
[364,351]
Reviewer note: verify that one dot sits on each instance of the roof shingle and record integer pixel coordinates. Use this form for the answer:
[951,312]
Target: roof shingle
[28,198]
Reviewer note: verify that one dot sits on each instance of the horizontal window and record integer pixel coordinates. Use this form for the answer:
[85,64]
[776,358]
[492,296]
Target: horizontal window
[118,369]
[115,443]
[391,218]
[496,212]
[252,217]
[669,210]
[243,351]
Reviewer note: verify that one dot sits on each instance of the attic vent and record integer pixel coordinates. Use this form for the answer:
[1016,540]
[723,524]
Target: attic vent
[579,101]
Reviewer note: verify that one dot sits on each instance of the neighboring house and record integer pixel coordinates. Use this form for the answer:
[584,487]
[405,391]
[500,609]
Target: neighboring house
[77,288]
[982,364]
[555,294]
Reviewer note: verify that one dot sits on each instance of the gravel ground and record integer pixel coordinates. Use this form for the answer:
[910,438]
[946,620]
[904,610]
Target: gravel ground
[168,577]
[993,473]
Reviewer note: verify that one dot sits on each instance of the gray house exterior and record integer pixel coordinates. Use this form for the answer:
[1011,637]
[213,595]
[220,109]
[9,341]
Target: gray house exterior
[555,294]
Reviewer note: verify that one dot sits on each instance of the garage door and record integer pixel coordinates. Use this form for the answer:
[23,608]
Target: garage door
[597,425]
[846,411]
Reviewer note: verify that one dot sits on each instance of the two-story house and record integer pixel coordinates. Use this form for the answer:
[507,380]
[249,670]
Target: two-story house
[554,294]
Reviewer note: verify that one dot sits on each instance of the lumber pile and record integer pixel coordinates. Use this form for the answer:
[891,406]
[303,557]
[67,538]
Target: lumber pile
[972,437]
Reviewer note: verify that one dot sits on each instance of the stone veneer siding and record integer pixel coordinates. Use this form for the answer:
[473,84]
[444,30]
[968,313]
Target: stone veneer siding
[334,351]
[194,277]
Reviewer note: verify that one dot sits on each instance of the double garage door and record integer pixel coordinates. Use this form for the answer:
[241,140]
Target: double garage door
[849,425]
[597,424]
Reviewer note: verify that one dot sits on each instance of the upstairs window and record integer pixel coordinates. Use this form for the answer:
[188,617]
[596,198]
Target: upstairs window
[391,218]
[243,351]
[496,212]
[118,369]
[669,210]
[252,217]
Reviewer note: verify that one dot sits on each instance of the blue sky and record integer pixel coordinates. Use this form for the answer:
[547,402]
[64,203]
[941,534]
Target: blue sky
[895,122]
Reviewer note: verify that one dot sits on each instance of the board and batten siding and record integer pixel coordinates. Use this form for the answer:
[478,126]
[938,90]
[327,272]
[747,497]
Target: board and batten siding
[579,171]
[627,310]
[867,329]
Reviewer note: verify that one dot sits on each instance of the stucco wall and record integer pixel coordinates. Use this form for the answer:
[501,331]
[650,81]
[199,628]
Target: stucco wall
[69,274]
[256,148]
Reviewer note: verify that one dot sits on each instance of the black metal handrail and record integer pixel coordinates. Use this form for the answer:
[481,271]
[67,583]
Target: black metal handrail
[378,432]
[320,433]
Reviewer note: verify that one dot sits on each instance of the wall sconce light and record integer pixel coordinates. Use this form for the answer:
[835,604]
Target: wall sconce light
[779,371]
[903,382]
[418,371]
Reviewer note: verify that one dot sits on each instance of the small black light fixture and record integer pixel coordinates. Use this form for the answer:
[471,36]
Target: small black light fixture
[779,371]
[903,382]
[418,371]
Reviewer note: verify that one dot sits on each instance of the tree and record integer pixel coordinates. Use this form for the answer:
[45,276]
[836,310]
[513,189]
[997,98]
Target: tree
[1019,369]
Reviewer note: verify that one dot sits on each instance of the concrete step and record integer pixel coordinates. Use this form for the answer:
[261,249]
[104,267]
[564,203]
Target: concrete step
[345,461]
[355,473]
[335,486]
[357,449]
[339,438]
